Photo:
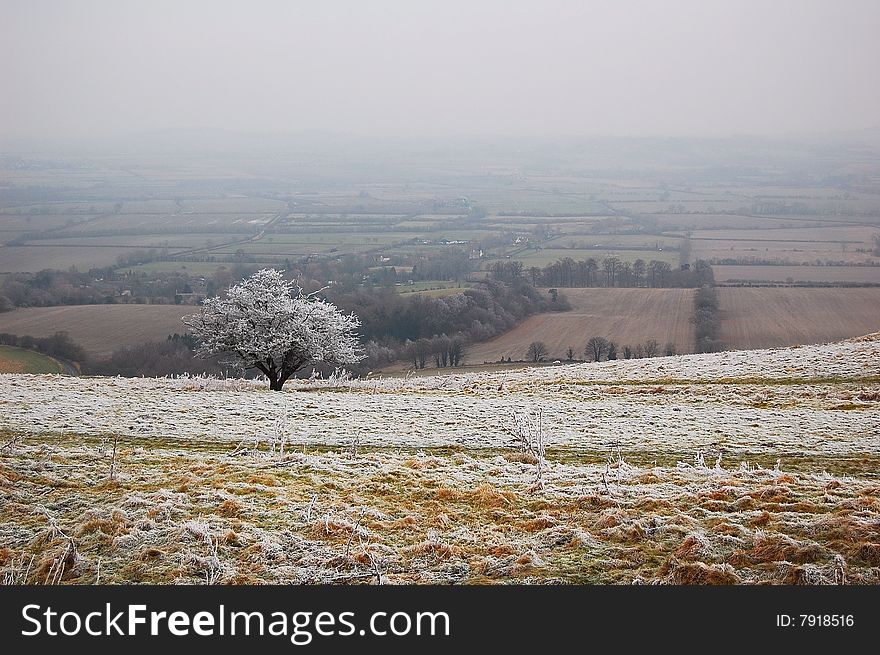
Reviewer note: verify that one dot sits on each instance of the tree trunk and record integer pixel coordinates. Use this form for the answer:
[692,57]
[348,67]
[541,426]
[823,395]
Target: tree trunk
[275,383]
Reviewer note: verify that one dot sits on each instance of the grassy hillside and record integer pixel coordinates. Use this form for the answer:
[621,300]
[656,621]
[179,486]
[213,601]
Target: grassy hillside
[736,467]
[17,360]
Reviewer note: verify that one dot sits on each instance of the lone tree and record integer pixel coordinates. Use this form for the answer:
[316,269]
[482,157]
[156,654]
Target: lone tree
[537,351]
[596,347]
[267,323]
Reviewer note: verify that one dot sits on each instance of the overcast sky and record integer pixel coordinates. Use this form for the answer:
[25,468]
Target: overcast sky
[410,67]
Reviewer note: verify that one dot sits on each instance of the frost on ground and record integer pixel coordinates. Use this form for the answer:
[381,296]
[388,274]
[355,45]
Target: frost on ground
[737,467]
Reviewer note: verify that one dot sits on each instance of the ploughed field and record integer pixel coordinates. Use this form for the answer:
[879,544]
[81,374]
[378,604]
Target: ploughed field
[736,467]
[120,325]
[768,317]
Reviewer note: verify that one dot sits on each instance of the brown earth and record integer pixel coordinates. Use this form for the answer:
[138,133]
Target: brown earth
[768,317]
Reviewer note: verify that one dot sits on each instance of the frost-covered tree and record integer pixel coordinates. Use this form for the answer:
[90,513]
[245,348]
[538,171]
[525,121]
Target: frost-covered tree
[268,323]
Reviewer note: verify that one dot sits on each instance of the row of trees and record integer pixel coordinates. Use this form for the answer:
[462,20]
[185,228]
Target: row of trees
[607,272]
[599,348]
[442,350]
[436,331]
[174,356]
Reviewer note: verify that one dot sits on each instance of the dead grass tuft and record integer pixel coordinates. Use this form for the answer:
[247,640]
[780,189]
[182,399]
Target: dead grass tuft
[230,508]
[115,526]
[540,523]
[691,573]
[437,549]
[773,494]
[403,523]
[8,476]
[446,494]
[521,458]
[762,519]
[654,504]
[149,554]
[779,548]
[610,518]
[263,479]
[501,550]
[869,554]
[690,548]
[488,496]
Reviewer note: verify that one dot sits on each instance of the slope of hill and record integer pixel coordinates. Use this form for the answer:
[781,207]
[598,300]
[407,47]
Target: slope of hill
[118,325]
[625,316]
[733,467]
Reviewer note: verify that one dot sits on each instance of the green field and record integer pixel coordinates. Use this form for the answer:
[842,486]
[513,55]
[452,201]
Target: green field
[18,360]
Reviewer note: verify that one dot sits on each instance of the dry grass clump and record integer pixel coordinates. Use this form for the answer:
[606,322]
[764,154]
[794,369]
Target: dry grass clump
[869,554]
[691,573]
[487,495]
[230,508]
[776,547]
[447,495]
[694,547]
[433,548]
[106,528]
[521,457]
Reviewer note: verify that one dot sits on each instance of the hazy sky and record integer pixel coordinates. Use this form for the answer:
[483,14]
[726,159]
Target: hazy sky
[410,67]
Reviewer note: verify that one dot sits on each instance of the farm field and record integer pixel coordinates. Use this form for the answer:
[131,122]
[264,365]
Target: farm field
[173,242]
[736,467]
[769,317]
[18,360]
[781,274]
[623,198]
[625,316]
[99,329]
[36,258]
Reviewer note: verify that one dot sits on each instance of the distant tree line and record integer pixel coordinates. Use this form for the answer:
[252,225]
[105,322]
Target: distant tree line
[435,331]
[174,356]
[598,349]
[607,272]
